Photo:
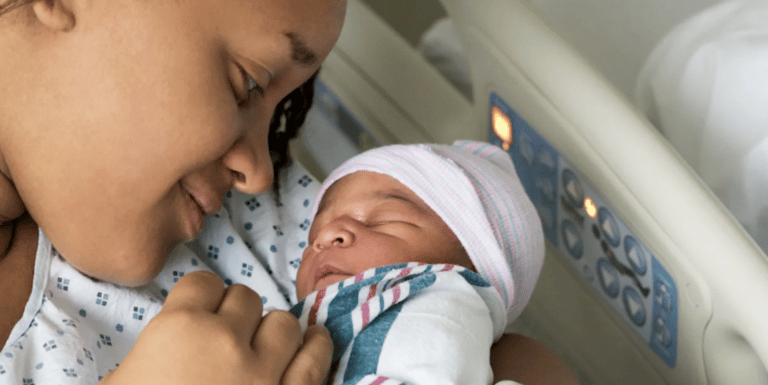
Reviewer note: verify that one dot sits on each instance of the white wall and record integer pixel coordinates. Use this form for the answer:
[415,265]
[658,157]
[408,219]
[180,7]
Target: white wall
[614,35]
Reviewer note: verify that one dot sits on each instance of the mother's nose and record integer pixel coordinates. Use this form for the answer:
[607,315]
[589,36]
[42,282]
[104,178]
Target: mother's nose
[338,233]
[249,161]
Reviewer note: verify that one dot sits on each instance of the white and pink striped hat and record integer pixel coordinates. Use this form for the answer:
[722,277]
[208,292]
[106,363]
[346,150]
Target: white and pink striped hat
[474,188]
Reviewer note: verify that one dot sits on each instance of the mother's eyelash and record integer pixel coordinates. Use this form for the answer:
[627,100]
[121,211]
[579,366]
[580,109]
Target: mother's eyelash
[252,87]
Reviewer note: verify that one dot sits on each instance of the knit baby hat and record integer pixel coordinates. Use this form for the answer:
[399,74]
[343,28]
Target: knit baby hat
[475,190]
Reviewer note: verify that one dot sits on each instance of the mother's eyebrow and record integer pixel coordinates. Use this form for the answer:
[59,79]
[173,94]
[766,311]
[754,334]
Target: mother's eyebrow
[300,52]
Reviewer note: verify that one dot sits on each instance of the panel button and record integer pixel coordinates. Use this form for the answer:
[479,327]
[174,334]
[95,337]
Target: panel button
[546,187]
[662,295]
[633,304]
[574,192]
[635,255]
[609,277]
[526,149]
[609,226]
[547,161]
[572,239]
[661,333]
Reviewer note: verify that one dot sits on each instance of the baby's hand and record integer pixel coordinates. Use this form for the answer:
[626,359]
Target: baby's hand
[209,334]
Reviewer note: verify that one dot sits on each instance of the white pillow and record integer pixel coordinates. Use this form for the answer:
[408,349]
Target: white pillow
[705,86]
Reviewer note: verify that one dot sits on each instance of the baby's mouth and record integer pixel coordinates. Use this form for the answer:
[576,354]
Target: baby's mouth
[328,275]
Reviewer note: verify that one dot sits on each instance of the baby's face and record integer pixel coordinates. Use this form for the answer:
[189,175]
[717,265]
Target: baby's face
[366,220]
[135,123]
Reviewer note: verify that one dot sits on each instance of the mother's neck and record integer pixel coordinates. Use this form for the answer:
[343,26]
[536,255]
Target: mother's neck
[17,271]
[6,236]
[11,206]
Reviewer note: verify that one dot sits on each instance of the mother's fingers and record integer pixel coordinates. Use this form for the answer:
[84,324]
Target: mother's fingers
[199,290]
[241,309]
[276,341]
[311,364]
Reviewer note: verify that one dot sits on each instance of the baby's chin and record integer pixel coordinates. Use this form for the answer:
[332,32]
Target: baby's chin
[329,280]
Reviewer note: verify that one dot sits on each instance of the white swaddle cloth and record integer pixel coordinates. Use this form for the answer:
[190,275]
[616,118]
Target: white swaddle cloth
[408,323]
[705,87]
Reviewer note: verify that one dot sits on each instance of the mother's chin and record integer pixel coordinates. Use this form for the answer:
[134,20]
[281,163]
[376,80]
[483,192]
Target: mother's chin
[130,266]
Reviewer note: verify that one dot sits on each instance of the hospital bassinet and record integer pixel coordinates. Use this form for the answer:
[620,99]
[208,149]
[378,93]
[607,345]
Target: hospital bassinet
[648,279]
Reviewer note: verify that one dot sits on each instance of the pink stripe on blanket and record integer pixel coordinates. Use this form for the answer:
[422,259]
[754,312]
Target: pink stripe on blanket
[379,381]
[395,293]
[366,313]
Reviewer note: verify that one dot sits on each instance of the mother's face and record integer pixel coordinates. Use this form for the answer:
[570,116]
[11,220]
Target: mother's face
[141,117]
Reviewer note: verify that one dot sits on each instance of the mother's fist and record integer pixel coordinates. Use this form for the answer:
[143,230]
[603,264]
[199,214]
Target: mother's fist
[207,333]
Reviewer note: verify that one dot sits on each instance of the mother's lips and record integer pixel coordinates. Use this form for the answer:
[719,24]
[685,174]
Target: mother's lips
[194,215]
[206,199]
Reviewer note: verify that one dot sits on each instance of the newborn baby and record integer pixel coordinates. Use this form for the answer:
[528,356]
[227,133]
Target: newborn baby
[418,257]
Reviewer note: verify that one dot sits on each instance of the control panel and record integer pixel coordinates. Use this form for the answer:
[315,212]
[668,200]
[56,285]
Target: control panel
[590,238]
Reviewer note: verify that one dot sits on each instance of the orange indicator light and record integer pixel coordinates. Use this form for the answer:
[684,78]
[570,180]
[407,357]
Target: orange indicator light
[589,205]
[502,126]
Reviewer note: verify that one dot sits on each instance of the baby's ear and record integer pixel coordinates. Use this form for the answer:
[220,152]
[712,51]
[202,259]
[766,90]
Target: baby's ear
[54,14]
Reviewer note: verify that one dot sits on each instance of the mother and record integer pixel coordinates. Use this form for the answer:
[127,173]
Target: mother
[110,114]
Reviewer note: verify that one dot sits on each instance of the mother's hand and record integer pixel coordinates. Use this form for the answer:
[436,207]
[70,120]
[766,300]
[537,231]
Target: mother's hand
[209,334]
[525,360]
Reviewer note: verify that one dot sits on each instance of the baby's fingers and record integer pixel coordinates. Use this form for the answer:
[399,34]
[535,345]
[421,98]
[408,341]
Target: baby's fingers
[311,363]
[199,290]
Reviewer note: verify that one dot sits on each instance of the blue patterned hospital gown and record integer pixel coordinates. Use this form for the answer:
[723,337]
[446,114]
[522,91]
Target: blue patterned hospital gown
[75,330]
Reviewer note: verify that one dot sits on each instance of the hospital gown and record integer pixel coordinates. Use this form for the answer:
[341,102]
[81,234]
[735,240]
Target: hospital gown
[74,329]
[409,324]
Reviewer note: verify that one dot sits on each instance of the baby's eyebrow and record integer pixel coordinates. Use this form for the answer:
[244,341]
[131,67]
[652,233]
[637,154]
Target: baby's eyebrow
[321,206]
[393,194]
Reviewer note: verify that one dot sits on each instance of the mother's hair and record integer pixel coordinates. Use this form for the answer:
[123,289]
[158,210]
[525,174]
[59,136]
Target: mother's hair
[10,5]
[288,118]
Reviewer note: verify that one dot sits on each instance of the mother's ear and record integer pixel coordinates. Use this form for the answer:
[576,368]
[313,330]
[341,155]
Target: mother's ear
[54,14]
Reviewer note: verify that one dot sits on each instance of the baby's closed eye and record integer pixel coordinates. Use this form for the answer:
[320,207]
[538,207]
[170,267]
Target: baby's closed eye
[389,219]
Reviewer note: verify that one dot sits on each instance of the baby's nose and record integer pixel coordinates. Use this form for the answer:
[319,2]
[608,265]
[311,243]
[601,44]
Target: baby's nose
[338,233]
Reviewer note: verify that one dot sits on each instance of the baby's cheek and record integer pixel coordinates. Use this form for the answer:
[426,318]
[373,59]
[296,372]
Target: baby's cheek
[301,277]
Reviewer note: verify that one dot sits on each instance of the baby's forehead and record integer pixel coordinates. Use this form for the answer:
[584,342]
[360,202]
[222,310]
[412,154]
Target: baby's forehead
[371,185]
